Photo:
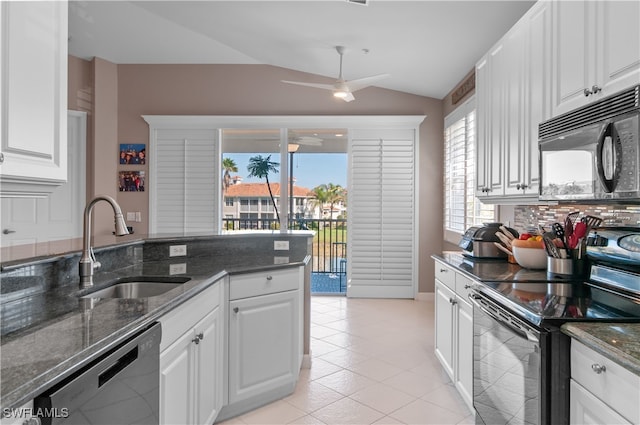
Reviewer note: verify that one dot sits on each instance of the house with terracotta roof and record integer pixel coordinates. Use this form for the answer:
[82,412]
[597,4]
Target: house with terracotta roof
[252,201]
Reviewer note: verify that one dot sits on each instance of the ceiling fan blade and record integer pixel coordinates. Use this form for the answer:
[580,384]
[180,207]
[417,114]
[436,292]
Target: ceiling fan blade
[315,85]
[348,98]
[361,83]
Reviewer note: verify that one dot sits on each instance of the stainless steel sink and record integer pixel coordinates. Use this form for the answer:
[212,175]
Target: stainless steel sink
[138,287]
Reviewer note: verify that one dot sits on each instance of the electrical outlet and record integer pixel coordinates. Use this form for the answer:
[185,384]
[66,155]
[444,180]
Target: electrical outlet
[281,245]
[177,250]
[131,216]
[180,268]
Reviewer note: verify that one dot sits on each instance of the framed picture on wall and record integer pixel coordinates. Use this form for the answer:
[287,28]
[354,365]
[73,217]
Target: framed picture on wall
[131,181]
[133,153]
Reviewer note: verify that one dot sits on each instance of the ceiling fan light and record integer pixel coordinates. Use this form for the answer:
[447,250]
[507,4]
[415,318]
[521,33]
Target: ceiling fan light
[340,94]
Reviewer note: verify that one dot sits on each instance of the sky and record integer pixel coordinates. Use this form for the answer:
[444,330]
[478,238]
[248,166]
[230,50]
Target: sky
[309,169]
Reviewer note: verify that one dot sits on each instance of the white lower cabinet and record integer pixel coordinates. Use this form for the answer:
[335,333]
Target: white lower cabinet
[587,409]
[263,336]
[602,391]
[445,318]
[191,360]
[264,351]
[454,329]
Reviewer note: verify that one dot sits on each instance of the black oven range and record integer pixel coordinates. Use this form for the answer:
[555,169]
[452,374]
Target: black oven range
[521,364]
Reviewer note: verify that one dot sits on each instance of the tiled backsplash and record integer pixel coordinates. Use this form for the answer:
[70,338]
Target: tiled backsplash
[529,216]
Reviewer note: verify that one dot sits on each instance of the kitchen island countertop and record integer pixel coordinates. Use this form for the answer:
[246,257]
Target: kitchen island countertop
[49,334]
[619,342]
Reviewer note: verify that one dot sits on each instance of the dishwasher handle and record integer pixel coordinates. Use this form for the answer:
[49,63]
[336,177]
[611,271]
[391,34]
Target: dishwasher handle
[505,322]
[118,366]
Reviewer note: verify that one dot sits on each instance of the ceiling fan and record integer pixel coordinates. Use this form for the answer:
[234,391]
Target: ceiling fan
[343,89]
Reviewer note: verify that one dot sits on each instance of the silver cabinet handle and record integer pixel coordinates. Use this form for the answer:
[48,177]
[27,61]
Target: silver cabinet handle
[467,286]
[199,337]
[598,368]
[269,277]
[594,90]
[443,270]
[452,301]
[521,186]
[236,309]
[1,158]
[7,231]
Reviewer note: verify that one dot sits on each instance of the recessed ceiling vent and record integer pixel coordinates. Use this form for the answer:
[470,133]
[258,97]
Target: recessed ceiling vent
[360,2]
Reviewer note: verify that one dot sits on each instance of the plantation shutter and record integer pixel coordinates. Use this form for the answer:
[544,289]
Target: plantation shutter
[186,189]
[381,221]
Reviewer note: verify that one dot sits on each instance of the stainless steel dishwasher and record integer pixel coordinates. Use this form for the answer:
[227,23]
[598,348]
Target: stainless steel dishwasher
[119,388]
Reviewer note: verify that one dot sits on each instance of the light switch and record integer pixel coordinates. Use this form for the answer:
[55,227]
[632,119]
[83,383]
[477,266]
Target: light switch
[131,216]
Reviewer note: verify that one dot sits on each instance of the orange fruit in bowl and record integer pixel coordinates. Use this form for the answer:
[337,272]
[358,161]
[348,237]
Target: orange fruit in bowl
[533,242]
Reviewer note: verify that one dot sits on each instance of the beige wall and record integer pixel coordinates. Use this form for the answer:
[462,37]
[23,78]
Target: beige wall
[257,90]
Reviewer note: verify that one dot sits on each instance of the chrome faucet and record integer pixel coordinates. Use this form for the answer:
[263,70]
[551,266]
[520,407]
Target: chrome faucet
[88,261]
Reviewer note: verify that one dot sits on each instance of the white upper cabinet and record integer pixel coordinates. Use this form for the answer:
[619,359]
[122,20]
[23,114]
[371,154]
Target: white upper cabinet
[596,51]
[512,95]
[33,97]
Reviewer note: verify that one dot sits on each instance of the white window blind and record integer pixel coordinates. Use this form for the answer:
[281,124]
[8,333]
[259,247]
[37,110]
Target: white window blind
[186,187]
[461,207]
[382,215]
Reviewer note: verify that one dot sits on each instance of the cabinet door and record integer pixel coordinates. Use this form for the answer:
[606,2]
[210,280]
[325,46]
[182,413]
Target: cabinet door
[538,89]
[587,409]
[574,54]
[445,326]
[619,63]
[494,144]
[209,358]
[177,396]
[483,125]
[515,137]
[33,85]
[263,344]
[464,352]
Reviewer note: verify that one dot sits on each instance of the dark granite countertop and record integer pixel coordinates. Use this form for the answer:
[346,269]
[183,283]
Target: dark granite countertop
[619,342]
[48,334]
[495,270]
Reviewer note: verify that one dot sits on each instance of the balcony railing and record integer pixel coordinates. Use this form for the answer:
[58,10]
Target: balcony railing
[329,247]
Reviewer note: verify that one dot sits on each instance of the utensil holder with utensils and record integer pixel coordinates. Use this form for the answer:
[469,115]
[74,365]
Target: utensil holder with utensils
[567,267]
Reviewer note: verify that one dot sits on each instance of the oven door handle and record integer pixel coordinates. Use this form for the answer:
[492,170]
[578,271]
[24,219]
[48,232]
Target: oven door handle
[517,331]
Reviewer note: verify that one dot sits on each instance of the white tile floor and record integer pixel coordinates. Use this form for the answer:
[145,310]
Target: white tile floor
[372,363]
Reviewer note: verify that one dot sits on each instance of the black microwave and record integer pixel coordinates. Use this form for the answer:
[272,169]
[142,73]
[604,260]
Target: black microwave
[593,153]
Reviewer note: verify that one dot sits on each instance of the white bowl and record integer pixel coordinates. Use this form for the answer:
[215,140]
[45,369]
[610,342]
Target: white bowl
[530,258]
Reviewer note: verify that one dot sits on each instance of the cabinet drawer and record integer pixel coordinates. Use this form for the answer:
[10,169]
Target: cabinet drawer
[616,386]
[463,286]
[182,318]
[262,283]
[446,275]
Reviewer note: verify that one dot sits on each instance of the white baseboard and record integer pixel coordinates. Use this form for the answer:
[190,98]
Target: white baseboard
[306,361]
[425,296]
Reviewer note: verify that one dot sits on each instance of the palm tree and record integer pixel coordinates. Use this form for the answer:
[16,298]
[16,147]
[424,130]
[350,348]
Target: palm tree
[335,194]
[229,166]
[320,196]
[328,194]
[260,167]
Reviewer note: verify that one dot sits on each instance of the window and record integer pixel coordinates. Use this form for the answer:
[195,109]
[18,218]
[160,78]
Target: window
[461,207]
[228,201]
